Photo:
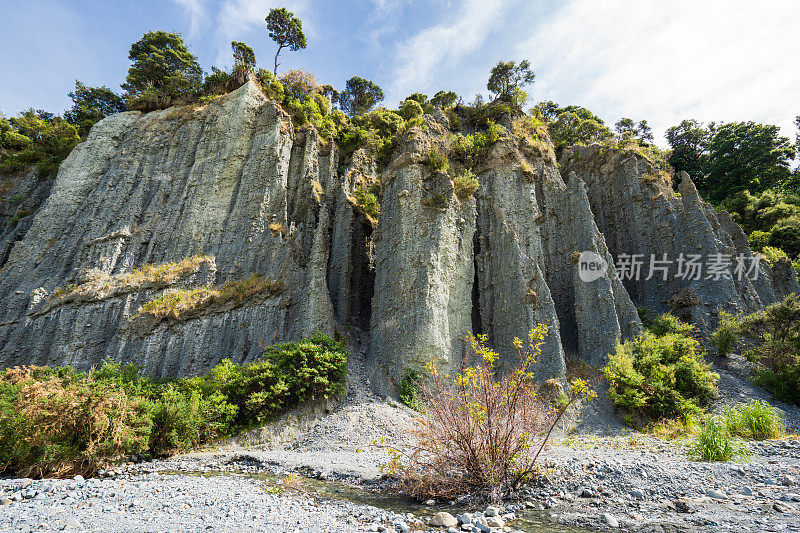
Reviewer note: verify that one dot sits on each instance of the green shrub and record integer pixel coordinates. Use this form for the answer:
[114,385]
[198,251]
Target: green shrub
[408,390]
[660,376]
[367,200]
[56,421]
[773,254]
[714,443]
[758,240]
[725,336]
[466,184]
[755,420]
[771,338]
[669,324]
[410,109]
[437,161]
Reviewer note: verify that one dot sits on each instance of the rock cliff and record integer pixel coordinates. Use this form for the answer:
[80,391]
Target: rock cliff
[250,225]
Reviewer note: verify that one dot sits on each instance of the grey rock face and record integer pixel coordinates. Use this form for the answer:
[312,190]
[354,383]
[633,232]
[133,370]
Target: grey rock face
[424,268]
[639,215]
[157,188]
[232,184]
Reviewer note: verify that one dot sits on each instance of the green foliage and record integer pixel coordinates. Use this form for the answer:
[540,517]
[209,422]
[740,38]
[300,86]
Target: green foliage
[286,30]
[367,199]
[507,79]
[62,422]
[444,99]
[466,184]
[437,161]
[572,125]
[756,420]
[669,324]
[772,219]
[243,55]
[359,96]
[92,104]
[714,443]
[689,140]
[410,109]
[38,138]
[772,339]
[725,336]
[628,130]
[162,66]
[660,375]
[409,390]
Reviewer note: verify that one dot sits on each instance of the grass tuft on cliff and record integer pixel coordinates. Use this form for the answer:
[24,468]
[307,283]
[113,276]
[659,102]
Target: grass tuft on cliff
[58,422]
[178,304]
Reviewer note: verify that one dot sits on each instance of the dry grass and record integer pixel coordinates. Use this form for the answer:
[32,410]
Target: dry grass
[99,285]
[179,304]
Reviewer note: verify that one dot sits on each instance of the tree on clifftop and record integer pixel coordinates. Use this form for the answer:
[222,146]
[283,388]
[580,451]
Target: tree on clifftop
[91,104]
[507,80]
[628,129]
[286,30]
[162,63]
[689,141]
[243,55]
[746,155]
[359,96]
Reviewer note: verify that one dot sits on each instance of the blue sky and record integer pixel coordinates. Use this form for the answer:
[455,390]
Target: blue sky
[658,60]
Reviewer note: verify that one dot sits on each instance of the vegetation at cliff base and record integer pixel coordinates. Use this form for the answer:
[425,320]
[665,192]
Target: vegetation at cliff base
[771,339]
[480,432]
[660,374]
[57,421]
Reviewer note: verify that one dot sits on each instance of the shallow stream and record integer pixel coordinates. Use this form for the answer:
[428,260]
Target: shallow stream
[529,521]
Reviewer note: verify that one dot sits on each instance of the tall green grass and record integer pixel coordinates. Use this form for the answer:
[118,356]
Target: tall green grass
[713,442]
[756,420]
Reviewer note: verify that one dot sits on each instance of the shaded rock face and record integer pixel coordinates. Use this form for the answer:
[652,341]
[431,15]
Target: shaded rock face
[639,214]
[158,188]
[233,185]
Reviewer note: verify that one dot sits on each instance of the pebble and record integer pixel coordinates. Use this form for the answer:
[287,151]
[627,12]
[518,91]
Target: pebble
[747,491]
[610,520]
[637,493]
[492,511]
[443,519]
[716,494]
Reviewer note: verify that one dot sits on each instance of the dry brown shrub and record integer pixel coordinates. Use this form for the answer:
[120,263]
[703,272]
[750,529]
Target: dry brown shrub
[66,425]
[480,432]
[299,83]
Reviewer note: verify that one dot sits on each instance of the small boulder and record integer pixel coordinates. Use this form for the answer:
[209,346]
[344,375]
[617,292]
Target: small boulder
[444,519]
[610,520]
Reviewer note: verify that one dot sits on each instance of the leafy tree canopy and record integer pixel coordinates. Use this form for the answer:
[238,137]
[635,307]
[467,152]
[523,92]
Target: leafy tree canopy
[162,62]
[571,125]
[508,78]
[243,55]
[286,30]
[745,155]
[92,104]
[628,129]
[359,96]
[689,141]
[444,99]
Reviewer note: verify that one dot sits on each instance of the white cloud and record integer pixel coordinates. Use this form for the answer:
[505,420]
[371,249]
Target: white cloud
[197,14]
[721,60]
[419,57]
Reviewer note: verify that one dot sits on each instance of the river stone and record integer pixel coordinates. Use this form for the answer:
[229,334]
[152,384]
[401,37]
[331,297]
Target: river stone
[443,519]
